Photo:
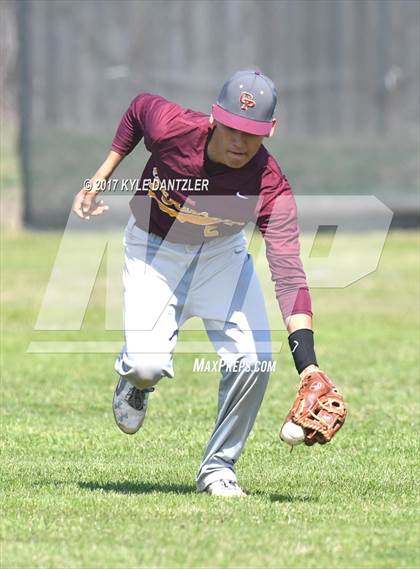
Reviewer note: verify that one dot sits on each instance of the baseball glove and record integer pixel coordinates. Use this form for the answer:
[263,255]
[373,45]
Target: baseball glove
[318,408]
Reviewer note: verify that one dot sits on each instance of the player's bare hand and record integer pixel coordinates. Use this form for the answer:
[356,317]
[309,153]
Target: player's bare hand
[308,370]
[87,204]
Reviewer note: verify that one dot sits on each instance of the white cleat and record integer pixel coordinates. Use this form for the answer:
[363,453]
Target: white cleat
[129,406]
[225,489]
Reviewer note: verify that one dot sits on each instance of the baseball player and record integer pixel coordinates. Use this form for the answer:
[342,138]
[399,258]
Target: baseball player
[186,255]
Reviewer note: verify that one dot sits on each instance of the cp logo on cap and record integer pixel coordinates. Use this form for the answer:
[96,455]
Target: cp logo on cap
[247,100]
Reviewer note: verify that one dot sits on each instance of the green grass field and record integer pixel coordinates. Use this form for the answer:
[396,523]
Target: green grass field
[77,493]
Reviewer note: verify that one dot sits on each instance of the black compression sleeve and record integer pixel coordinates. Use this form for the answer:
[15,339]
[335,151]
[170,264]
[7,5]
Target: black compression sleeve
[301,343]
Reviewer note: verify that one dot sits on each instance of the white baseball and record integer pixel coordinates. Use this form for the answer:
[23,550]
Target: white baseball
[292,434]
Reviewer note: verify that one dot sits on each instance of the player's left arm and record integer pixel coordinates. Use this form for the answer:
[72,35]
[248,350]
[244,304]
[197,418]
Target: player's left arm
[318,407]
[295,323]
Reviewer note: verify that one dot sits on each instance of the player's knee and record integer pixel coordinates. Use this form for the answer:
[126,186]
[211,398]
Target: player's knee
[144,371]
[148,374]
[142,383]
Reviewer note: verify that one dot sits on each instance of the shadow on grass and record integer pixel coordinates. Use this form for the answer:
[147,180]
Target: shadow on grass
[138,487]
[288,498]
[285,497]
[170,488]
[149,488]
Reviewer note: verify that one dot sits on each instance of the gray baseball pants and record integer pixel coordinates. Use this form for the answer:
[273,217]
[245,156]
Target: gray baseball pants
[166,283]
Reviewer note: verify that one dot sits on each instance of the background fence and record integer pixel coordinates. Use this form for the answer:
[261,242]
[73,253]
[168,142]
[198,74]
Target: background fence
[347,73]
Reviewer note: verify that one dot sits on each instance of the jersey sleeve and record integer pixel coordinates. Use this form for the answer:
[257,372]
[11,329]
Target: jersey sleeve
[277,220]
[148,117]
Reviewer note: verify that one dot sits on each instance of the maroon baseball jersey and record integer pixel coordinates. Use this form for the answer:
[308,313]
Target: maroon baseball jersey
[186,198]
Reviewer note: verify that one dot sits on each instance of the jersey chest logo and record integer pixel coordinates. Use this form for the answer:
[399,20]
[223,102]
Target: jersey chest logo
[182,213]
[247,100]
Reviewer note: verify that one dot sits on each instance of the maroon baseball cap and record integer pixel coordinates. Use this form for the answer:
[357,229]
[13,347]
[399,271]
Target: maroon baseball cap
[247,102]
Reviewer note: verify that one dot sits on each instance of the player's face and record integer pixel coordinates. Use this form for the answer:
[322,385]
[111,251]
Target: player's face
[234,148]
